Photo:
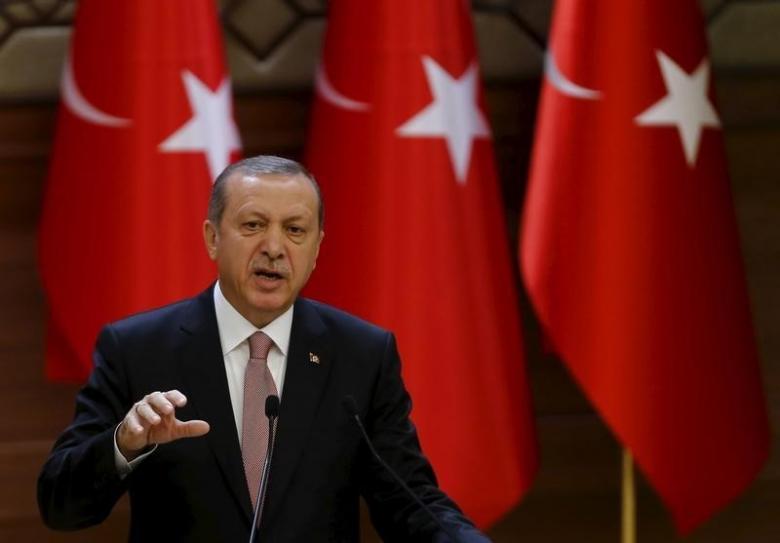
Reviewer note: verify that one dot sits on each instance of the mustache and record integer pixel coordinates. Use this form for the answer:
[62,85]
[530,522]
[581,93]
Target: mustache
[275,268]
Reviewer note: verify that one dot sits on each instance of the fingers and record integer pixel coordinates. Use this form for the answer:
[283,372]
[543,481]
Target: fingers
[150,411]
[133,422]
[159,404]
[152,420]
[176,398]
[147,414]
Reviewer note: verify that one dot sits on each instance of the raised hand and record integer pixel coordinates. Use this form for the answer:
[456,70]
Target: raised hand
[153,420]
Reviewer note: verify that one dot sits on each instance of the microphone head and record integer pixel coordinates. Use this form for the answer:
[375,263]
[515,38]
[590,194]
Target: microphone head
[350,405]
[272,406]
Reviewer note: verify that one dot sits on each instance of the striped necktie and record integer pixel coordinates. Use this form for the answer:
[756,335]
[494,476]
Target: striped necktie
[258,385]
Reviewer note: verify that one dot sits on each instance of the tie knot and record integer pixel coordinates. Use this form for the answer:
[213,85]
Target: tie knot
[259,345]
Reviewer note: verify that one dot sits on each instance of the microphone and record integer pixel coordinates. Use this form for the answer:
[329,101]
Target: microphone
[351,407]
[272,412]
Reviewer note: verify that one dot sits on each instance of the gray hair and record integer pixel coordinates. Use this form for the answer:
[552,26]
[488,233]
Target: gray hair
[256,166]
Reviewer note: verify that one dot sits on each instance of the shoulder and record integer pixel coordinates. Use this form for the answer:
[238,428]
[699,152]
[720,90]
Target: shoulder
[164,314]
[338,317]
[162,321]
[363,354]
[345,326]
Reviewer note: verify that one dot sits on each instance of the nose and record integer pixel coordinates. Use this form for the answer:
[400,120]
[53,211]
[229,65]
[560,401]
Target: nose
[273,245]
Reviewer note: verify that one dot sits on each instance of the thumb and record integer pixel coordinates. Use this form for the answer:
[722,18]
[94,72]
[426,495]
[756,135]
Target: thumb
[191,428]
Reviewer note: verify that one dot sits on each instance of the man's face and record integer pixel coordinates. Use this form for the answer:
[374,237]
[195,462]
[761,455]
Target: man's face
[266,244]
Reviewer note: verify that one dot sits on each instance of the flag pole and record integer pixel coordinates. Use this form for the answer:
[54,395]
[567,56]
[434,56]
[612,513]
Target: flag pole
[629,499]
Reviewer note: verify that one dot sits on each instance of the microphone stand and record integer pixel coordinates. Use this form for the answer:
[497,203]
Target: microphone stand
[351,406]
[272,412]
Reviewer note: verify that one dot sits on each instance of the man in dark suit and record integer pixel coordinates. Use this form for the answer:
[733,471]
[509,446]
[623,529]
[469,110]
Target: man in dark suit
[183,371]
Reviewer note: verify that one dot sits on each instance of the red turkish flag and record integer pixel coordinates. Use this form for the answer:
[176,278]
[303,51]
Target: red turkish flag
[145,124]
[630,249]
[415,235]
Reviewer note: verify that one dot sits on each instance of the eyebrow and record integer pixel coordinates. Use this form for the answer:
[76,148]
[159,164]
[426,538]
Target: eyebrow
[297,217]
[250,213]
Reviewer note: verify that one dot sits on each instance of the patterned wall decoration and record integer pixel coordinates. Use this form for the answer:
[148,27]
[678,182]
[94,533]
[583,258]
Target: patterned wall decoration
[18,15]
[274,44]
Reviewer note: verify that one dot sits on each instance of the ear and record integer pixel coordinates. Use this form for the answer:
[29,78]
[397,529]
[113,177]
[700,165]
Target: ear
[317,253]
[211,238]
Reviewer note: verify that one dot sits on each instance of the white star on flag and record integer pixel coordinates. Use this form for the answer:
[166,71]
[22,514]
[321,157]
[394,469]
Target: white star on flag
[211,130]
[454,114]
[686,105]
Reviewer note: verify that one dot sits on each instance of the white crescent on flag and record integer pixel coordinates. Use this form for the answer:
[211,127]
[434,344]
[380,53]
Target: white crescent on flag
[80,106]
[563,84]
[329,93]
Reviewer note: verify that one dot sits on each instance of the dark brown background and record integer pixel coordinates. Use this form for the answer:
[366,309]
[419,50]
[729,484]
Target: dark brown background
[576,494]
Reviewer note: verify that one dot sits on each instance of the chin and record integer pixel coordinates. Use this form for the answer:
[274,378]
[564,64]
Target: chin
[269,304]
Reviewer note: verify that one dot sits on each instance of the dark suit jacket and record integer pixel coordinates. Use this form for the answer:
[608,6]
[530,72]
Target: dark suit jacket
[195,489]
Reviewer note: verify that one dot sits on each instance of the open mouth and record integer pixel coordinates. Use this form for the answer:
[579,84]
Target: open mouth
[268,274]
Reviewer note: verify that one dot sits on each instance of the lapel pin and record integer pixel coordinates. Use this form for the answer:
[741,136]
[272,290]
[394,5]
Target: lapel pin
[314,358]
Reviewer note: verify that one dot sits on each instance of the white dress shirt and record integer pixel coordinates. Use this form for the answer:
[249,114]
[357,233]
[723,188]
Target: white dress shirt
[234,331]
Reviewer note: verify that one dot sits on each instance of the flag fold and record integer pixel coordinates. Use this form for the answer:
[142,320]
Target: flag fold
[415,238]
[145,124]
[630,250]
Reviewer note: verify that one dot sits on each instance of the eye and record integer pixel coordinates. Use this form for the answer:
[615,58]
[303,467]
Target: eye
[252,225]
[296,230]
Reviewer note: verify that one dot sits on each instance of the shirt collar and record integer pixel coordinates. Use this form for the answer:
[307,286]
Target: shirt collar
[234,328]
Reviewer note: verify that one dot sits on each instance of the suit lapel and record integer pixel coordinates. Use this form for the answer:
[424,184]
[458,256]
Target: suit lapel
[309,361]
[203,370]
